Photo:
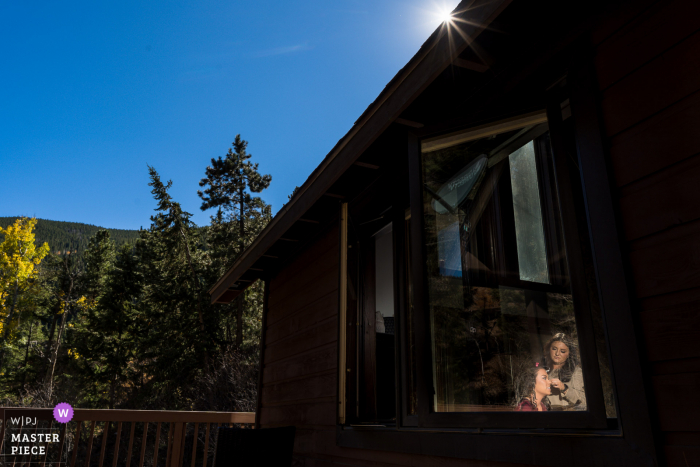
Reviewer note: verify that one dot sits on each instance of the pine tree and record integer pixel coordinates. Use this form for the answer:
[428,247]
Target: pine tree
[175,228]
[98,258]
[181,324]
[230,182]
[106,337]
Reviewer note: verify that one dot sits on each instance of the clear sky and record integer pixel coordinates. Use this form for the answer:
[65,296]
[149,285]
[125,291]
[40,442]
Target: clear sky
[92,92]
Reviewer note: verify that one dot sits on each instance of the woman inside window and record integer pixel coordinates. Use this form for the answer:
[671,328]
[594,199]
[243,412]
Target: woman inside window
[537,387]
[565,376]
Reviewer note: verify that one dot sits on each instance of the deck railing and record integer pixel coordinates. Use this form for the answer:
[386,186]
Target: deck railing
[127,438]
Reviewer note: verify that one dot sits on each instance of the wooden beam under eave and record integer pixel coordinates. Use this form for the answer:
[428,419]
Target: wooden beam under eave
[366,165]
[334,195]
[469,65]
[309,221]
[412,124]
[228,296]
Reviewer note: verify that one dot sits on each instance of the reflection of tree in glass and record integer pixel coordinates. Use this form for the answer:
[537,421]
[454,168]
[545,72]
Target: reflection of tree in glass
[561,314]
[482,349]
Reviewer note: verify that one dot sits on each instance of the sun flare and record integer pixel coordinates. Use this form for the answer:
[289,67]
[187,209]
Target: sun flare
[444,15]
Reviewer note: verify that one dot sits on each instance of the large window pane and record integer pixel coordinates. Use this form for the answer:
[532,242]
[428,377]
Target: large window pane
[500,303]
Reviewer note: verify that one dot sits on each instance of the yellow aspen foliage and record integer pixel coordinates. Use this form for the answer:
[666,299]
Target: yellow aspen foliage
[19,258]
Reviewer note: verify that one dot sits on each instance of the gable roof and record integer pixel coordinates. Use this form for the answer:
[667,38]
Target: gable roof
[443,47]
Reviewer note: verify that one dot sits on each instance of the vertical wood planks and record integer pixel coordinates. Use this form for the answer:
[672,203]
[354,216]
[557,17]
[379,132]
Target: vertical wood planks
[194,444]
[75,444]
[156,445]
[89,447]
[105,434]
[143,443]
[116,444]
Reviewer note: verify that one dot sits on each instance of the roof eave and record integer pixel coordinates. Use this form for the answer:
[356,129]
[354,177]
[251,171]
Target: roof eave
[412,79]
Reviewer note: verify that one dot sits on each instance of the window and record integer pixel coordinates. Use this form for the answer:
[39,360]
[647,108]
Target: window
[504,323]
[501,307]
[371,390]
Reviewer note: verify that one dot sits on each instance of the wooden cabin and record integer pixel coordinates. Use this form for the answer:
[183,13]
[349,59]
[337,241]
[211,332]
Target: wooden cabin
[522,196]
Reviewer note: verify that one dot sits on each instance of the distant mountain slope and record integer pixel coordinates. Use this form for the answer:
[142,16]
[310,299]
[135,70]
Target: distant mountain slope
[70,237]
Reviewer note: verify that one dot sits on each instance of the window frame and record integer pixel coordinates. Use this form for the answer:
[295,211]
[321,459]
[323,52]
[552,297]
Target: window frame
[631,440]
[594,417]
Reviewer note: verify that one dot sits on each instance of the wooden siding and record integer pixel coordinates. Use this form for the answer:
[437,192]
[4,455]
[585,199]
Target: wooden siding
[299,383]
[648,71]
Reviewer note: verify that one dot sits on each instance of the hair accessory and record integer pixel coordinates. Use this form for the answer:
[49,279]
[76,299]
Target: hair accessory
[537,363]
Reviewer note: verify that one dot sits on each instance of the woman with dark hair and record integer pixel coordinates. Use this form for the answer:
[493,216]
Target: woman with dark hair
[536,388]
[565,374]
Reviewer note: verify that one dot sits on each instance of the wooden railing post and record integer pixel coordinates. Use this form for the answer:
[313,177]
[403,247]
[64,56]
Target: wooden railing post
[206,446]
[62,440]
[182,445]
[46,453]
[105,433]
[116,444]
[89,448]
[170,445]
[143,443]
[131,444]
[177,442]
[194,444]
[157,445]
[75,444]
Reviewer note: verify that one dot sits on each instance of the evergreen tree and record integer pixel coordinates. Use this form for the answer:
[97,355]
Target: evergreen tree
[98,260]
[181,324]
[229,183]
[175,229]
[107,335]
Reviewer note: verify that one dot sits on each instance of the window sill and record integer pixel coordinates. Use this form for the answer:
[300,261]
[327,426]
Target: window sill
[543,447]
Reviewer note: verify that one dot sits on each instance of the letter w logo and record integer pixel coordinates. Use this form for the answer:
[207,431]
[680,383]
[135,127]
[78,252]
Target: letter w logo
[62,413]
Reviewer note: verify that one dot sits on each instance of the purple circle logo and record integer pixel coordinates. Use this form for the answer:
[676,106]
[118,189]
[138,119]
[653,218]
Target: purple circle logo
[63,413]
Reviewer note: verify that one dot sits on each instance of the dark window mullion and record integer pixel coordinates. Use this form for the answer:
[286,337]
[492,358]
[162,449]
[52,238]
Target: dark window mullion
[421,323]
[579,285]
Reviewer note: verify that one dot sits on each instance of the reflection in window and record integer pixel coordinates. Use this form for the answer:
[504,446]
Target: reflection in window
[498,288]
[529,234]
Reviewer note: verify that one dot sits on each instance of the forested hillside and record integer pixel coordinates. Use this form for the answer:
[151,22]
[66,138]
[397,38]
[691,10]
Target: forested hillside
[73,237]
[133,326]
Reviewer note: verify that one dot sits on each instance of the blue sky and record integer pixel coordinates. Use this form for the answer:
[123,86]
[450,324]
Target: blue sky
[92,92]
